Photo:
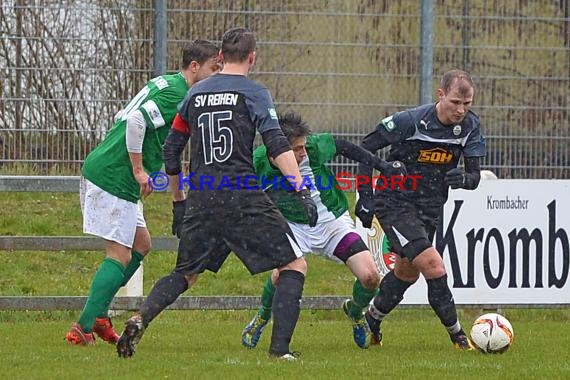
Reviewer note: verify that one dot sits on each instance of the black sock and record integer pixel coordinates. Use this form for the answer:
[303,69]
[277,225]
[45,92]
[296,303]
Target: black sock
[163,293]
[286,309]
[441,300]
[391,293]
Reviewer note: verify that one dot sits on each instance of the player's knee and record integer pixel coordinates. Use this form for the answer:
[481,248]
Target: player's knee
[143,250]
[274,276]
[143,242]
[371,279]
[405,271]
[407,275]
[430,263]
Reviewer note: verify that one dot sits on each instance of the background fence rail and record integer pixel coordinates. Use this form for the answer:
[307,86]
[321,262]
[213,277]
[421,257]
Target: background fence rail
[68,67]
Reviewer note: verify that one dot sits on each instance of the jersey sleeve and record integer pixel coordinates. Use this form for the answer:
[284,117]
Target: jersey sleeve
[262,110]
[475,145]
[160,108]
[321,148]
[397,127]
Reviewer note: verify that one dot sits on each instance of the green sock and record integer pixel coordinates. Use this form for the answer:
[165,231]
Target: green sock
[104,286]
[361,297]
[267,299]
[134,264]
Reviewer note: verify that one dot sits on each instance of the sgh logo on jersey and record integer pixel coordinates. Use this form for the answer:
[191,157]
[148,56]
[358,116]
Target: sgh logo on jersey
[435,156]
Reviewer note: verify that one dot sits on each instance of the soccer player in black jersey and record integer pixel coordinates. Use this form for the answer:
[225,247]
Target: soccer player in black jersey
[429,140]
[226,210]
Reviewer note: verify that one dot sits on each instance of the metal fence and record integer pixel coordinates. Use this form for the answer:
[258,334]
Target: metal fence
[68,66]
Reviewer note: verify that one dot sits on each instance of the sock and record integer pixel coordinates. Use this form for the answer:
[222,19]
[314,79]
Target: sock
[163,293]
[441,301]
[104,286]
[360,299]
[134,264]
[391,293]
[286,310]
[267,299]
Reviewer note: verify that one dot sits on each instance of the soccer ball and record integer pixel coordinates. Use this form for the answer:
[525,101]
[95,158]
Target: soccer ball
[492,333]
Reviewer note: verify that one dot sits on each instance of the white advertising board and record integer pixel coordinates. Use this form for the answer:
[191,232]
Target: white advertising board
[507,242]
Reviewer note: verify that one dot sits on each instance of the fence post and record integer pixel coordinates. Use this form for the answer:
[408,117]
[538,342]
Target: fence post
[426,60]
[160,37]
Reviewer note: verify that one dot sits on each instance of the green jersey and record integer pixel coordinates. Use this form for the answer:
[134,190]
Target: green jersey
[108,166]
[325,190]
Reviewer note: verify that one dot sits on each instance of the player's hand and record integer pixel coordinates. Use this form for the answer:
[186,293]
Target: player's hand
[392,168]
[455,178]
[178,210]
[364,210]
[143,180]
[309,205]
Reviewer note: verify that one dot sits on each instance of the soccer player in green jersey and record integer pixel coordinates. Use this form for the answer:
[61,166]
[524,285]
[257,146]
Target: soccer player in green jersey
[115,177]
[334,236]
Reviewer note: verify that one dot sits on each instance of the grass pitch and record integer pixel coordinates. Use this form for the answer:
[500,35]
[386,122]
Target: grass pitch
[206,344]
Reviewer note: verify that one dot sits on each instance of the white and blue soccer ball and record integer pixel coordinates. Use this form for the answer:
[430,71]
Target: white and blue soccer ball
[492,333]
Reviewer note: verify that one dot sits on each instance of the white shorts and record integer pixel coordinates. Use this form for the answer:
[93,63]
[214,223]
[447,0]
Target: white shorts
[323,239]
[108,216]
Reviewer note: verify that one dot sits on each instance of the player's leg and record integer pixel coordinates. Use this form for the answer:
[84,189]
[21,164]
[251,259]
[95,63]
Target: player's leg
[103,326]
[287,306]
[390,294]
[104,286]
[195,254]
[252,332]
[361,264]
[141,246]
[100,210]
[396,222]
[339,241]
[440,298]
[271,244]
[367,281]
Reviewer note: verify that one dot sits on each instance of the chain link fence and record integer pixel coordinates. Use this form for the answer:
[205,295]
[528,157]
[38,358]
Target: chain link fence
[68,66]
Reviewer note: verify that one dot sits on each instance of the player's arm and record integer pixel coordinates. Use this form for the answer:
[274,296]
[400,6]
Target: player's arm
[475,148]
[354,152]
[136,128]
[171,153]
[371,143]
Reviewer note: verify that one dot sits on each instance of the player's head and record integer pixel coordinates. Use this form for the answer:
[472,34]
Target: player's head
[238,46]
[455,96]
[296,131]
[200,59]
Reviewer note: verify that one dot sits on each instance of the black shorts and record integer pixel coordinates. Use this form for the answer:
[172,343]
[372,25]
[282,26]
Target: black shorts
[404,222]
[245,222]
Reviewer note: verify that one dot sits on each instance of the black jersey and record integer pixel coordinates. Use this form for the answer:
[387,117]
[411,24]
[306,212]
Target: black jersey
[222,112]
[428,149]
